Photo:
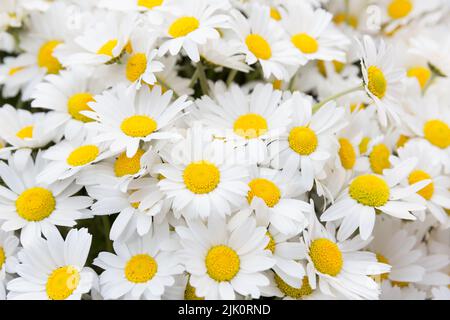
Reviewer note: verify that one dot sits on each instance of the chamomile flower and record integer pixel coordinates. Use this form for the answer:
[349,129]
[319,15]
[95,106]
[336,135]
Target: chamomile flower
[34,207]
[223,263]
[141,268]
[246,121]
[126,117]
[366,194]
[382,80]
[191,24]
[310,140]
[53,268]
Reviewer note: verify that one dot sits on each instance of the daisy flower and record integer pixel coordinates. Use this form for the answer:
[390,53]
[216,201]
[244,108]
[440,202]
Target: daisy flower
[366,194]
[310,139]
[190,24]
[246,121]
[200,179]
[9,245]
[223,263]
[126,117]
[263,41]
[53,268]
[140,268]
[34,207]
[382,80]
[340,268]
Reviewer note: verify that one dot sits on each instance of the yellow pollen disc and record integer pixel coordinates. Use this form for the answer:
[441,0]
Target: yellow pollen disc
[2,257]
[347,154]
[370,190]
[136,66]
[277,84]
[364,145]
[201,177]
[25,132]
[275,14]
[400,284]
[141,268]
[382,259]
[326,256]
[83,155]
[305,43]
[377,82]
[138,126]
[419,175]
[250,126]
[128,166]
[338,67]
[399,8]
[437,133]
[150,4]
[303,140]
[402,139]
[108,47]
[135,205]
[258,46]
[183,26]
[296,293]
[62,283]
[46,58]
[77,103]
[222,263]
[13,71]
[264,189]
[422,74]
[35,204]
[342,17]
[379,158]
[190,293]
[271,245]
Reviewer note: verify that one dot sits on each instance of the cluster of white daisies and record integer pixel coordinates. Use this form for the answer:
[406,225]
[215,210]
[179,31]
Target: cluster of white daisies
[224,149]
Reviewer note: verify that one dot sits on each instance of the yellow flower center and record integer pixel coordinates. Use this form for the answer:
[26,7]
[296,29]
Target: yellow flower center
[2,257]
[46,58]
[277,84]
[326,256]
[303,140]
[296,293]
[222,263]
[422,74]
[141,268]
[190,293]
[25,132]
[437,133]
[108,47]
[258,46]
[364,145]
[419,175]
[77,103]
[382,259]
[377,82]
[379,158]
[338,67]
[128,166]
[347,154]
[62,283]
[264,189]
[136,66]
[13,71]
[201,177]
[370,190]
[275,14]
[342,17]
[305,43]
[183,26]
[150,4]
[250,126]
[271,245]
[402,139]
[35,204]
[399,8]
[138,126]
[83,155]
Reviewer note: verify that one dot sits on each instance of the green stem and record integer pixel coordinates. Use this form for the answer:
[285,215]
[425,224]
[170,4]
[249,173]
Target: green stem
[163,85]
[194,79]
[202,77]
[106,231]
[336,96]
[231,76]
